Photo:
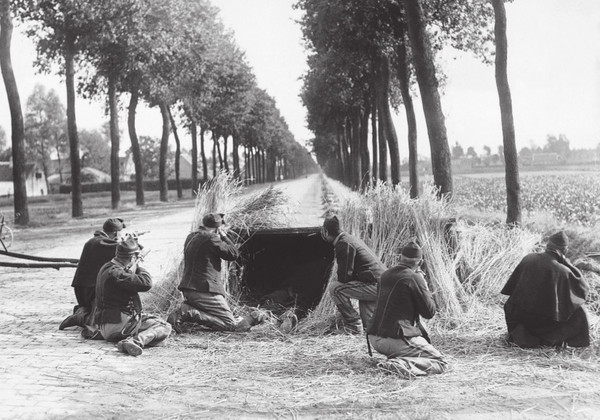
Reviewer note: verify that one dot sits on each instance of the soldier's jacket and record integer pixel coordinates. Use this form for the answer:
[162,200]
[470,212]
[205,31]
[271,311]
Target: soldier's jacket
[117,291]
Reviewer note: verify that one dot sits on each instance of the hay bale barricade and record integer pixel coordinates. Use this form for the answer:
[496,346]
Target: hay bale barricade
[467,263]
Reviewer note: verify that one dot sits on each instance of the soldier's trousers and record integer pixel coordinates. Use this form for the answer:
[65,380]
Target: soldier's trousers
[365,293]
[419,357]
[152,330]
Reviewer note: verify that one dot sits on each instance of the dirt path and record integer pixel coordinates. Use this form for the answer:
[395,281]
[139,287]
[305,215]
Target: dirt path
[46,373]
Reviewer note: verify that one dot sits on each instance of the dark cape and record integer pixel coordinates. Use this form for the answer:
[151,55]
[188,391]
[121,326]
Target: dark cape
[545,304]
[97,251]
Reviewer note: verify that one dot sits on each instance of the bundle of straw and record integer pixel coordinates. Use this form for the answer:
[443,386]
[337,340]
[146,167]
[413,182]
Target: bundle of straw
[487,255]
[386,218]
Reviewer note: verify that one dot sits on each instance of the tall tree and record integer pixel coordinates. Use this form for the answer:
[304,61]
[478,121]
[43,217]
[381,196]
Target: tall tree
[429,88]
[115,38]
[386,120]
[164,148]
[76,191]
[177,153]
[135,146]
[21,207]
[60,29]
[513,198]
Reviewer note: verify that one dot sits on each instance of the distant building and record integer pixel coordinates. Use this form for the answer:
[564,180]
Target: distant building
[88,176]
[579,156]
[541,159]
[126,167]
[35,181]
[185,167]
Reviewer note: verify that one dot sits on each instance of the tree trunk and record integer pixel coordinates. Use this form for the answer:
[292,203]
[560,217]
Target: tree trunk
[20,205]
[45,162]
[432,107]
[218,145]
[177,154]
[248,169]
[115,191]
[513,189]
[403,72]
[203,156]
[251,169]
[194,133]
[374,140]
[246,166]
[364,148]
[214,155]
[21,208]
[354,136]
[225,163]
[386,119]
[135,148]
[383,156]
[164,149]
[263,161]
[236,157]
[342,156]
[77,205]
[257,165]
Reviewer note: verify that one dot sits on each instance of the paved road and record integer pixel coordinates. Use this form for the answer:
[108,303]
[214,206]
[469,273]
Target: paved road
[46,373]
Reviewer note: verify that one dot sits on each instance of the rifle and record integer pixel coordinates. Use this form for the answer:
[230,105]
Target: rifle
[134,234]
[137,259]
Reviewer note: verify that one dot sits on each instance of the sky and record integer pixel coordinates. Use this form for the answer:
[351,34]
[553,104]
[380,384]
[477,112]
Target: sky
[553,70]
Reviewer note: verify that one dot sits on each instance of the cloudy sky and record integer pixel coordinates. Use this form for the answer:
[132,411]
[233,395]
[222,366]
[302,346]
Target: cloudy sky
[554,74]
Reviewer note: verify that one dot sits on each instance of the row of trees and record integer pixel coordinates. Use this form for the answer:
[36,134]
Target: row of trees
[559,145]
[366,56]
[173,54]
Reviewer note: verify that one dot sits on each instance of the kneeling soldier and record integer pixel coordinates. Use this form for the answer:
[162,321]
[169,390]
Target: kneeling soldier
[395,329]
[97,251]
[120,316]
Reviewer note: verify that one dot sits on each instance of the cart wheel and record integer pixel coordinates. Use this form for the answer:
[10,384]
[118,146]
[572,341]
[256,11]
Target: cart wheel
[6,236]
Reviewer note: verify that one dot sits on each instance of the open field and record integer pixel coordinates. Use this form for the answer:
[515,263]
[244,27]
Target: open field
[569,196]
[47,373]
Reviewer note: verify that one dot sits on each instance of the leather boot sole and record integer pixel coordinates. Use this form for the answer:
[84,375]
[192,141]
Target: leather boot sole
[130,348]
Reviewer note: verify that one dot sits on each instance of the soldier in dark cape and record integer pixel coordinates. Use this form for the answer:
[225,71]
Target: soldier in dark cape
[546,293]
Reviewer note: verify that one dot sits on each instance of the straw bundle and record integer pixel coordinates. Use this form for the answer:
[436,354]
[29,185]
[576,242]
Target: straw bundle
[386,218]
[487,255]
[466,264]
[164,296]
[323,317]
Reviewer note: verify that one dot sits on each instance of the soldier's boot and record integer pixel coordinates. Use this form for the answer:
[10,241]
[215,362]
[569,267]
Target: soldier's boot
[242,323]
[130,346]
[91,332]
[175,319]
[191,314]
[75,320]
[366,309]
